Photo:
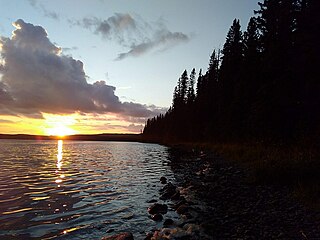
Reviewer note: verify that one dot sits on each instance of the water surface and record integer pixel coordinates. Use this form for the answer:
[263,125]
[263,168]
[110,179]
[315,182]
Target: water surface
[78,190]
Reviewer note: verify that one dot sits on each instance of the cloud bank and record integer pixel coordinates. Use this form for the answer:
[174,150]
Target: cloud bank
[134,33]
[37,77]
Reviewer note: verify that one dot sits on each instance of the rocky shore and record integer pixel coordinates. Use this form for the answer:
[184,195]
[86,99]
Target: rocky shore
[216,200]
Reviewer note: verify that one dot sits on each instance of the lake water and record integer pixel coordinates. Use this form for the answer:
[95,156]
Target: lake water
[78,190]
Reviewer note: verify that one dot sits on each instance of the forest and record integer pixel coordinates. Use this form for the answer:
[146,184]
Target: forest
[262,86]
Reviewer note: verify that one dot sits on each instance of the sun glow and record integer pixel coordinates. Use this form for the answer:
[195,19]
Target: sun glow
[59,125]
[60,131]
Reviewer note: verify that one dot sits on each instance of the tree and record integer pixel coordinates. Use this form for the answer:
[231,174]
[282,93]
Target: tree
[199,83]
[190,91]
[264,87]
[276,107]
[184,86]
[230,78]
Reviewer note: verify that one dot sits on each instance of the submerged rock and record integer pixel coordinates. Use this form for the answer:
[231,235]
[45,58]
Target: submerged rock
[168,191]
[163,180]
[157,217]
[158,208]
[120,236]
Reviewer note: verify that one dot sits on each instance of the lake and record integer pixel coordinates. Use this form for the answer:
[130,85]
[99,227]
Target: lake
[78,190]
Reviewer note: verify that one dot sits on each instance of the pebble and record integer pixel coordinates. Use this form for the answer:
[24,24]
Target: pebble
[158,208]
[121,236]
[182,209]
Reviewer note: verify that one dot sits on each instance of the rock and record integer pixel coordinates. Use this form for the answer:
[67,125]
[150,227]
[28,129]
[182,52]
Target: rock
[149,236]
[175,233]
[181,202]
[168,191]
[158,208]
[166,195]
[157,217]
[175,196]
[192,228]
[163,180]
[168,187]
[188,215]
[121,236]
[182,209]
[168,222]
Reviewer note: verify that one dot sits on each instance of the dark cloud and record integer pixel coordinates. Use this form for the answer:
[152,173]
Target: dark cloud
[37,77]
[133,33]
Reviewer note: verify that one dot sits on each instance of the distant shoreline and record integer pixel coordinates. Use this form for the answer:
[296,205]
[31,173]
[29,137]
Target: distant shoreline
[79,137]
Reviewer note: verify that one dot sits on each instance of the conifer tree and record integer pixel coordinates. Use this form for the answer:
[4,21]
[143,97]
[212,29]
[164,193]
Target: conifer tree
[190,91]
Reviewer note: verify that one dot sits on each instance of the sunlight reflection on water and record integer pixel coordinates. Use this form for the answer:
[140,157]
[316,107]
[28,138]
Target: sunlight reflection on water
[78,190]
[59,163]
[59,155]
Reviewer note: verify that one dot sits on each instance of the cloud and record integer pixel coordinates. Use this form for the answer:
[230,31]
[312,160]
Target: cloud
[5,121]
[131,128]
[68,49]
[44,10]
[164,39]
[120,27]
[134,33]
[37,77]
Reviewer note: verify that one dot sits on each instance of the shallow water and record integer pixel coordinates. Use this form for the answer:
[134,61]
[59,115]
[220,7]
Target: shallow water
[78,190]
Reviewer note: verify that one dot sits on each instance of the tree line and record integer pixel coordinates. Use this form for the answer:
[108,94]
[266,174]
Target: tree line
[263,85]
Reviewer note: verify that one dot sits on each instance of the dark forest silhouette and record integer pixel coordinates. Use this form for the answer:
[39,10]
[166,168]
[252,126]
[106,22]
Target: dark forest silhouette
[262,86]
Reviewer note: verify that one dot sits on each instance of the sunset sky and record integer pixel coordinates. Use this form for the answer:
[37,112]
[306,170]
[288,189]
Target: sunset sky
[99,66]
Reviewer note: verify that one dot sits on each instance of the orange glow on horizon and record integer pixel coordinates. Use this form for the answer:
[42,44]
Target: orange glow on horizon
[63,125]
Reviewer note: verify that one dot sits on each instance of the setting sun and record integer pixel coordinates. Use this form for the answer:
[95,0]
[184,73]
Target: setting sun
[60,126]
[60,131]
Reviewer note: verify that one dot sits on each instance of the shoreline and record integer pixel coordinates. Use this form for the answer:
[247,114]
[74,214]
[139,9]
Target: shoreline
[223,202]
[219,199]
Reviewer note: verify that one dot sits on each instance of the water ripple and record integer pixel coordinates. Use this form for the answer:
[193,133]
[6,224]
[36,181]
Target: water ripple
[77,190]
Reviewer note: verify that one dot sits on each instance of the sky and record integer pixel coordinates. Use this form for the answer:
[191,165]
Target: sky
[102,66]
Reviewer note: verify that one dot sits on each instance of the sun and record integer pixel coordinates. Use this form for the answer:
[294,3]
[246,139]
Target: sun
[60,131]
[57,125]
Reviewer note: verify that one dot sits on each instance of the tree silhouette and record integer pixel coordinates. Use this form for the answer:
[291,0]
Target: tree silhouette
[190,92]
[263,86]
